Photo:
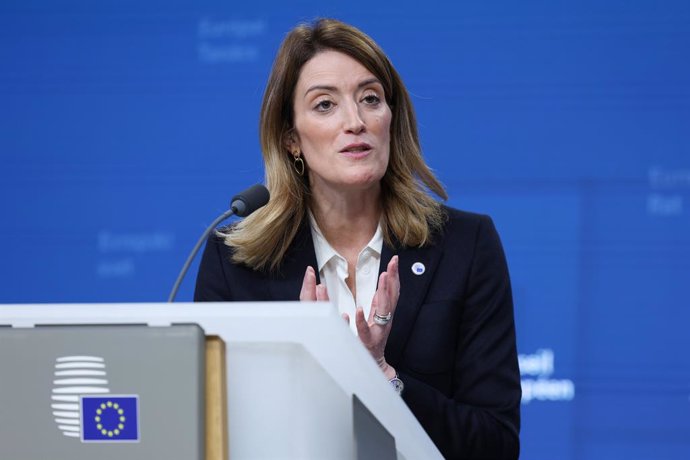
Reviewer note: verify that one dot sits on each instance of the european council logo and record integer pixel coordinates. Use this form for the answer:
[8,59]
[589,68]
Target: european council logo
[83,406]
[112,418]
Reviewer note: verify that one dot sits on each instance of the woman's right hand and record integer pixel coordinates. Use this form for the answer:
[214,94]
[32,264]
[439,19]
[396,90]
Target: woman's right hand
[310,290]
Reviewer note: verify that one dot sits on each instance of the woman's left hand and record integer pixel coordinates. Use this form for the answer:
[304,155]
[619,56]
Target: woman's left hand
[374,336]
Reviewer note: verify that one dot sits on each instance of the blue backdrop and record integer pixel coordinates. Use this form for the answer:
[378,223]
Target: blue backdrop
[126,126]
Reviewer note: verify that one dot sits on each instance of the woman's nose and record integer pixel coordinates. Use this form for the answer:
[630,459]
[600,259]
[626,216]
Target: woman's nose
[353,119]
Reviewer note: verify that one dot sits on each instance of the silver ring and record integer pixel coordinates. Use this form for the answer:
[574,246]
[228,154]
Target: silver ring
[382,320]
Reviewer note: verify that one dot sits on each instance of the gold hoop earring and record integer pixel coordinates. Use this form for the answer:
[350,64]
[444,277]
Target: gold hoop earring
[298,165]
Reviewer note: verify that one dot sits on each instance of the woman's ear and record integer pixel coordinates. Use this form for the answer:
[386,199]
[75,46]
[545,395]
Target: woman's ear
[290,142]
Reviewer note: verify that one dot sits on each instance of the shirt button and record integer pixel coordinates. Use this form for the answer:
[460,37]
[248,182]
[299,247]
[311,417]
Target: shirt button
[366,270]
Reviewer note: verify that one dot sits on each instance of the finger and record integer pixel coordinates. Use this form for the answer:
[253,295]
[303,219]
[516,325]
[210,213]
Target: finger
[362,326]
[346,317]
[308,291]
[392,265]
[393,282]
[393,274]
[384,296]
[321,292]
[378,303]
[394,271]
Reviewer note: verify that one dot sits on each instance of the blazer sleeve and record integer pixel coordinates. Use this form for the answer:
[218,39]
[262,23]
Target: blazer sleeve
[211,280]
[481,418]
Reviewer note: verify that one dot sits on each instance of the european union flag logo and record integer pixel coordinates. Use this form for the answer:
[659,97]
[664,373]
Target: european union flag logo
[110,418]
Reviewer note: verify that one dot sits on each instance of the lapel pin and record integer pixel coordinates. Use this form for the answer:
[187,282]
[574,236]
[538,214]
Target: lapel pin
[418,268]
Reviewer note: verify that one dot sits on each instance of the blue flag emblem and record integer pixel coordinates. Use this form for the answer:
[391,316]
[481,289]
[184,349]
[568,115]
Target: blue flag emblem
[110,418]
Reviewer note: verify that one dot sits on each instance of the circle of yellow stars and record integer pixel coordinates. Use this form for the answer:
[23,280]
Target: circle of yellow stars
[121,419]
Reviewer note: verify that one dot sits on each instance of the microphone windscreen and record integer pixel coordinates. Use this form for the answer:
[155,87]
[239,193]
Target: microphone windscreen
[248,201]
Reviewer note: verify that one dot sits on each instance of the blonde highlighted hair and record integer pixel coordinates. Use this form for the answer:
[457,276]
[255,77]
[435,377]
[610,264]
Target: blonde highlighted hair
[410,214]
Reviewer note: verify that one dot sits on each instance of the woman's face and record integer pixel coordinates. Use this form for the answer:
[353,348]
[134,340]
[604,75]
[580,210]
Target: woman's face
[342,123]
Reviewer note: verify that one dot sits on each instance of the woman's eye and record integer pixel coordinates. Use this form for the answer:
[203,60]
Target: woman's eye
[371,99]
[324,105]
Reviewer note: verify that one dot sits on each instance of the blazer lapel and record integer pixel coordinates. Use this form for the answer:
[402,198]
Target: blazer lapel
[413,291]
[287,283]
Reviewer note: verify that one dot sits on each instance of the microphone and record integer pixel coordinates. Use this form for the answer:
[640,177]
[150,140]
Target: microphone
[248,201]
[242,204]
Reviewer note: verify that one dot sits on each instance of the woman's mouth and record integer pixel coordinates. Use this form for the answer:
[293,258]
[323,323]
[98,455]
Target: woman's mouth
[356,150]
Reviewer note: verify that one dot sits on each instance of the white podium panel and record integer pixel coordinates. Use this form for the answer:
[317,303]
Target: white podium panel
[293,368]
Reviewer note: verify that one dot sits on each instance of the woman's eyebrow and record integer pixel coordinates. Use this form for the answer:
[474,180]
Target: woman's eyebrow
[321,87]
[369,81]
[333,89]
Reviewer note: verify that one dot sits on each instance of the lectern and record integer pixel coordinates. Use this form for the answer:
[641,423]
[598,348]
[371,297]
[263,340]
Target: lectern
[299,384]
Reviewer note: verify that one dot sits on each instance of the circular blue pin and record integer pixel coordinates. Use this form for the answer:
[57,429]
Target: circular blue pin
[418,268]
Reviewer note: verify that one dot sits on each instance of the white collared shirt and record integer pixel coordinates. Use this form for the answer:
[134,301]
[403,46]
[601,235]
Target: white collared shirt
[332,269]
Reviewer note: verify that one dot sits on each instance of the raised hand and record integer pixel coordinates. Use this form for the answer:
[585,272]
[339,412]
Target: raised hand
[310,290]
[374,332]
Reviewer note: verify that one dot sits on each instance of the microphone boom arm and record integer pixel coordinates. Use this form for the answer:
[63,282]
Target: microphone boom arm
[189,260]
[242,204]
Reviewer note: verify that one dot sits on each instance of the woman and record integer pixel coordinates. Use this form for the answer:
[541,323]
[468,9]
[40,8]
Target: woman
[349,200]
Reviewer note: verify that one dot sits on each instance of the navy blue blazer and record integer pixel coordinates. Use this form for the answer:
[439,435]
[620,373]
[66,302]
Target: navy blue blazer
[452,339]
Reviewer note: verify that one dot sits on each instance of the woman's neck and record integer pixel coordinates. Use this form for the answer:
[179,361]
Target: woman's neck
[349,220]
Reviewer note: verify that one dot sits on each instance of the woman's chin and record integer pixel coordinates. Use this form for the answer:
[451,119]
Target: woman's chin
[351,184]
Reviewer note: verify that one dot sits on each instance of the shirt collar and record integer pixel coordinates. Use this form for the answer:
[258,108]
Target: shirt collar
[325,252]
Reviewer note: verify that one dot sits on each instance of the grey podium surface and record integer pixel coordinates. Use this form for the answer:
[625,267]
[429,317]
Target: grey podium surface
[293,369]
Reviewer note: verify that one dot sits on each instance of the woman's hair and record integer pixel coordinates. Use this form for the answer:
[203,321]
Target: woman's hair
[410,215]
